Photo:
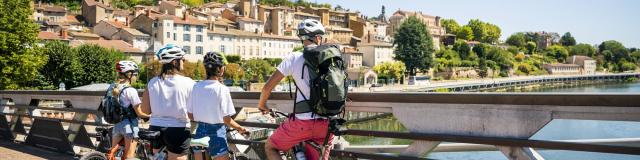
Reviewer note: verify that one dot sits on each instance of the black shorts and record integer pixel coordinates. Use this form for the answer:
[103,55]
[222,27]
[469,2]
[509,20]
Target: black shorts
[175,138]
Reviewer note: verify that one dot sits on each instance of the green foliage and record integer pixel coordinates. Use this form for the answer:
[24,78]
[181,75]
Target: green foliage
[273,61]
[233,58]
[98,63]
[517,39]
[582,49]
[464,51]
[234,72]
[414,45]
[127,4]
[531,47]
[442,90]
[450,25]
[258,69]
[484,32]
[298,49]
[20,60]
[465,33]
[626,66]
[617,51]
[199,72]
[390,70]
[446,58]
[192,3]
[62,65]
[567,40]
[520,57]
[557,52]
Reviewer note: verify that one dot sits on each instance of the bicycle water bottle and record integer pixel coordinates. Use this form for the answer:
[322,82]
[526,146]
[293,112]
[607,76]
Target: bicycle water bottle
[159,156]
[299,151]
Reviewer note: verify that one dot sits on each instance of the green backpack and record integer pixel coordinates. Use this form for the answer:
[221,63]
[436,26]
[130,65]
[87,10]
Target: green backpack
[327,79]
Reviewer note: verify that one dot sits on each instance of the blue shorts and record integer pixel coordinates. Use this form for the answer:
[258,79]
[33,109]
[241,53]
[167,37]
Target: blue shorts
[218,137]
[127,128]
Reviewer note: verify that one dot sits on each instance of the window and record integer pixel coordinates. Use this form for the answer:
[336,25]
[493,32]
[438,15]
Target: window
[168,25]
[198,49]
[198,38]
[175,27]
[186,37]
[155,24]
[168,35]
[187,49]
[175,36]
[211,37]
[187,27]
[222,49]
[199,28]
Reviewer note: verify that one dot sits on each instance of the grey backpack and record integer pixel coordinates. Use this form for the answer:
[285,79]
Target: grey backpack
[327,79]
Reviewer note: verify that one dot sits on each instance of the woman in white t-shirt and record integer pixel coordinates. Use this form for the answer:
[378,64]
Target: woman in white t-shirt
[166,100]
[211,106]
[127,129]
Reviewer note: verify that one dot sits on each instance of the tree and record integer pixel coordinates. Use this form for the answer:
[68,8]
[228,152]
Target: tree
[450,26]
[532,47]
[465,33]
[390,70]
[234,72]
[557,52]
[464,51]
[582,49]
[567,40]
[258,69]
[618,51]
[478,28]
[20,59]
[98,63]
[233,58]
[193,3]
[62,65]
[414,45]
[493,33]
[517,39]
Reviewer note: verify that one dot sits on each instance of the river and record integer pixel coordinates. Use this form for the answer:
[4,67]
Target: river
[555,130]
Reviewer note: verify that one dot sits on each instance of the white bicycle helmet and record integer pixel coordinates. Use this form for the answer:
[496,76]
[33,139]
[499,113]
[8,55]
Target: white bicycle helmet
[309,29]
[126,66]
[169,53]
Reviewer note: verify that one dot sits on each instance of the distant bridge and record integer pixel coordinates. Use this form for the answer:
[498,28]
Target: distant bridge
[498,83]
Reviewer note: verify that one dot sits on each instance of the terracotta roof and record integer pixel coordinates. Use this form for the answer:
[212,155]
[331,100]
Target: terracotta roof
[72,19]
[134,32]
[561,65]
[49,36]
[113,44]
[190,20]
[576,59]
[376,43]
[99,4]
[121,12]
[49,8]
[83,34]
[405,13]
[247,19]
[115,24]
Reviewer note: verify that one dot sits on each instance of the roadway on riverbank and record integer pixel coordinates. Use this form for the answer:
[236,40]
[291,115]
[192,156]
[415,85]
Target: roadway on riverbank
[452,83]
[20,151]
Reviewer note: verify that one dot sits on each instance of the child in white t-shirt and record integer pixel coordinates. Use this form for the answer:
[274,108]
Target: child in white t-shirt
[210,105]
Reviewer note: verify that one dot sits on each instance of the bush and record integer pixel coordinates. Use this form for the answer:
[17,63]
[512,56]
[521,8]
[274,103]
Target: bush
[233,58]
[98,63]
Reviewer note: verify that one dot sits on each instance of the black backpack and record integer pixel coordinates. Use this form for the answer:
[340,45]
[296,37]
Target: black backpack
[112,110]
[327,79]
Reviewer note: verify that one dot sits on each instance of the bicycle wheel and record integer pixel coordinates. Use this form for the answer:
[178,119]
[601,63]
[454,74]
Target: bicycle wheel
[94,155]
[240,156]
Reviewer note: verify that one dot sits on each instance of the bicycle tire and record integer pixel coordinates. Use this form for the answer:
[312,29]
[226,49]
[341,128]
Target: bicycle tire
[93,155]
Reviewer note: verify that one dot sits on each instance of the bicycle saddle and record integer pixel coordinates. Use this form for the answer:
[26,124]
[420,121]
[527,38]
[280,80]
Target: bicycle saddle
[200,142]
[148,135]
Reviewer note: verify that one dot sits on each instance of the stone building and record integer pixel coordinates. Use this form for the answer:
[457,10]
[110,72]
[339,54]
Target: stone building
[432,22]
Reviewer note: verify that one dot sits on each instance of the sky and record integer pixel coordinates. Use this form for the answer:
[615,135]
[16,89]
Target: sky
[589,21]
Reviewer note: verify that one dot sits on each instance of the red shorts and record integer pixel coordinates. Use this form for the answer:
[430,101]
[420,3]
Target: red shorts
[294,131]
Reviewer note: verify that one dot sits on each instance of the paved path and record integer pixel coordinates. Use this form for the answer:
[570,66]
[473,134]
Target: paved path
[20,151]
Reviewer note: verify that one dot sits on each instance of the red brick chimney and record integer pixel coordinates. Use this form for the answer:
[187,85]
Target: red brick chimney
[64,35]
[368,36]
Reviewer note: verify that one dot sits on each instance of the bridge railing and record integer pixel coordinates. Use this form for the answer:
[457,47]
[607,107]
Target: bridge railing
[503,120]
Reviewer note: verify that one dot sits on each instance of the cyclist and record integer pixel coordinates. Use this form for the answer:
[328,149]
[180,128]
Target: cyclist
[126,129]
[210,105]
[302,126]
[166,100]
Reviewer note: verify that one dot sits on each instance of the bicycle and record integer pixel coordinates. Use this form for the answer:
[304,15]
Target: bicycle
[297,152]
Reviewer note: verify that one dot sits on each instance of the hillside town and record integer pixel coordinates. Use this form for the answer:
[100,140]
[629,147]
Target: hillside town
[250,30]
